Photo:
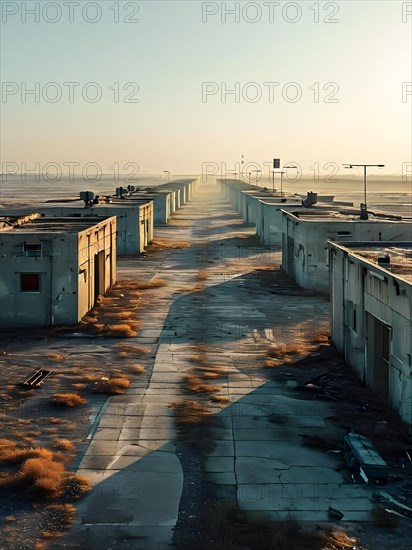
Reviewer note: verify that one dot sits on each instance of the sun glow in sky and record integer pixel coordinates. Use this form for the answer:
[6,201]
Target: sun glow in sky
[183,83]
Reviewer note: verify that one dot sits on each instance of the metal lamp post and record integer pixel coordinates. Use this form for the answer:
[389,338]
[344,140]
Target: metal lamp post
[168,175]
[257,177]
[363,207]
[281,172]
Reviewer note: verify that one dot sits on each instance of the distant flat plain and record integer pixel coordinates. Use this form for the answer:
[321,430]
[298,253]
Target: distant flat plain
[384,193]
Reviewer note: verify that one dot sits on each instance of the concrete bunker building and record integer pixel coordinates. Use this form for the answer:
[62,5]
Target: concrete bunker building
[306,232]
[371,298]
[53,269]
[167,198]
[134,220]
[263,208]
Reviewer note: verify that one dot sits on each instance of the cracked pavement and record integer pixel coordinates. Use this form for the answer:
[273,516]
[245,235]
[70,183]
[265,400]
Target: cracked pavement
[216,295]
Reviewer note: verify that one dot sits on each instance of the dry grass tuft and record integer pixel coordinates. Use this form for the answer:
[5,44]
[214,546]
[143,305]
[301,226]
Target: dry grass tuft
[114,315]
[321,337]
[200,347]
[79,385]
[57,357]
[26,435]
[201,276]
[63,445]
[169,243]
[112,386]
[131,349]
[121,330]
[298,348]
[158,283]
[189,412]
[271,363]
[137,368]
[275,350]
[194,384]
[68,399]
[220,399]
[210,374]
[10,453]
[56,420]
[335,539]
[121,315]
[286,353]
[59,517]
[44,477]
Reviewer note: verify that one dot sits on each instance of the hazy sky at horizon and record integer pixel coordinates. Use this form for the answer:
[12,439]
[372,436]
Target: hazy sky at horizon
[171,51]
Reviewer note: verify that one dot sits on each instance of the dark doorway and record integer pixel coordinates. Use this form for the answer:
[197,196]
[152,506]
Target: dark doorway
[99,275]
[378,357]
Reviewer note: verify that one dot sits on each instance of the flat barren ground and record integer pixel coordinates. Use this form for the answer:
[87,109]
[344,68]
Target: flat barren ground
[176,414]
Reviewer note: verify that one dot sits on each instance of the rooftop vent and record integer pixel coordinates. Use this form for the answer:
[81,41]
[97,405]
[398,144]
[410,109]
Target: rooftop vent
[311,199]
[89,198]
[384,261]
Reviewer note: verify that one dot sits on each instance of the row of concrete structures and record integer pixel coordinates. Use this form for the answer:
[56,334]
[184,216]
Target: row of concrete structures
[371,299]
[54,263]
[263,208]
[137,210]
[304,231]
[365,266]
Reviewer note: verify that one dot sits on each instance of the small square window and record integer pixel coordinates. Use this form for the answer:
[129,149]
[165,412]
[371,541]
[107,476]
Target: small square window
[32,249]
[30,282]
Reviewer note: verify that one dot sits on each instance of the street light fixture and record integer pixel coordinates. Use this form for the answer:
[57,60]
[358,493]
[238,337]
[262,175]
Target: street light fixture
[257,177]
[281,172]
[363,207]
[168,175]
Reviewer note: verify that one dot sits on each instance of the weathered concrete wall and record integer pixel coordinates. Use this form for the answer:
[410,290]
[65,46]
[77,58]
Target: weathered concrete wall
[162,208]
[101,240]
[161,204]
[259,207]
[269,225]
[134,222]
[66,273]
[305,250]
[360,293]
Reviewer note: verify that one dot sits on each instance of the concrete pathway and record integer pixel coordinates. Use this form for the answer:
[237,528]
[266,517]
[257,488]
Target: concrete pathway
[215,297]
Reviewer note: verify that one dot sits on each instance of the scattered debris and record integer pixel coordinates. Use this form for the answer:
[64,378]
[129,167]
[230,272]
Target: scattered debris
[385,498]
[363,459]
[37,378]
[321,387]
[334,514]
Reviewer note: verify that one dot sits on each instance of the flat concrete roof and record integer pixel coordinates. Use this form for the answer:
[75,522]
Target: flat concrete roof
[400,254]
[30,224]
[325,214]
[117,201]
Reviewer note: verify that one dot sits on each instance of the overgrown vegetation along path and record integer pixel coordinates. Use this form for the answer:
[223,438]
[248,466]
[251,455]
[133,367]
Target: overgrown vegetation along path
[212,425]
[205,423]
[210,419]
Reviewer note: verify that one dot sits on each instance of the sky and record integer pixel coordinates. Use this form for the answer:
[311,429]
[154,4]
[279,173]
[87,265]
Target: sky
[312,83]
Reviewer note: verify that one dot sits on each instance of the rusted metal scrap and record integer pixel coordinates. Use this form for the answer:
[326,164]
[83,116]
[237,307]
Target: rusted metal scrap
[37,378]
[363,459]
